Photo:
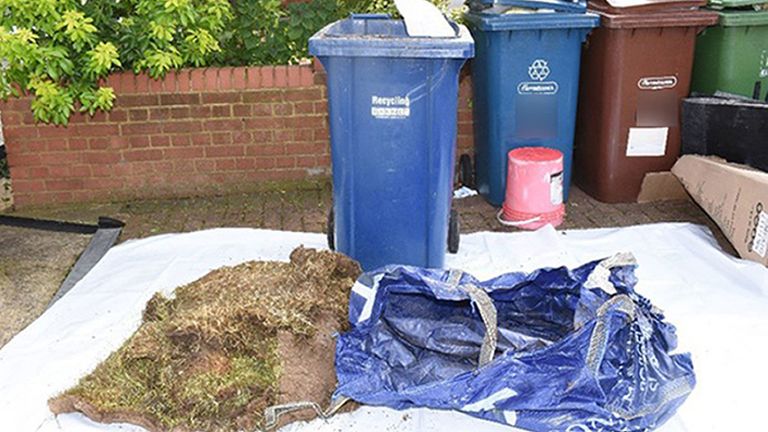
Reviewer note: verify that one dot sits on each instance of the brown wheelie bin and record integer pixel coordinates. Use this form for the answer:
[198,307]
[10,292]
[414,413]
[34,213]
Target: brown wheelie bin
[636,69]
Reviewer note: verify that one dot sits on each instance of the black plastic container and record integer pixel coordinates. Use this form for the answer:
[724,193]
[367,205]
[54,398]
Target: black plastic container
[735,129]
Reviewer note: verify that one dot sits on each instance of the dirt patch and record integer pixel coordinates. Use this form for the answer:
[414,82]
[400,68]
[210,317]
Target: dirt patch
[225,347]
[32,266]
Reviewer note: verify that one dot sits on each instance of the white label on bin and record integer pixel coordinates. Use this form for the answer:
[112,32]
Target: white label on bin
[645,142]
[760,242]
[657,83]
[556,188]
[390,108]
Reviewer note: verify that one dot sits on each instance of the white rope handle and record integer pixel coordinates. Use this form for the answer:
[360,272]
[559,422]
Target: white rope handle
[515,223]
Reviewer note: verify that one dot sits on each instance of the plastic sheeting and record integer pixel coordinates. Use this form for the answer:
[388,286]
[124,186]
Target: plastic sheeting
[574,349]
[717,302]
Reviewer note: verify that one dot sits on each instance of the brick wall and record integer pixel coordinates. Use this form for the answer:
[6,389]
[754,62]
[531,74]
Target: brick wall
[197,131]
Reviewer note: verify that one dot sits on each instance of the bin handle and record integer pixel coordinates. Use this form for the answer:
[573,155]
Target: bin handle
[369,16]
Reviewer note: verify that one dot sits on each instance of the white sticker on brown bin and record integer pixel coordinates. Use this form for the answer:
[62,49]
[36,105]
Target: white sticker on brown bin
[647,142]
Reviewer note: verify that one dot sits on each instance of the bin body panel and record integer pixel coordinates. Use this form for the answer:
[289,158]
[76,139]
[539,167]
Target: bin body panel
[634,79]
[732,58]
[393,137]
[525,84]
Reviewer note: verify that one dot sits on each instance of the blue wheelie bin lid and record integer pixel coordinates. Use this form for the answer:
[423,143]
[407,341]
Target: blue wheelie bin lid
[530,19]
[576,6]
[377,35]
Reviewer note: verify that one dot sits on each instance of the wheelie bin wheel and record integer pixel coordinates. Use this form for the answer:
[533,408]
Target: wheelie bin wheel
[453,232]
[329,230]
[466,174]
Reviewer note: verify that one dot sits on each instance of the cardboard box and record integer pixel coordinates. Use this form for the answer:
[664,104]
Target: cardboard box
[735,196]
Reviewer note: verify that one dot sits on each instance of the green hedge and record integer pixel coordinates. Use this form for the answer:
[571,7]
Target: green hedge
[59,49]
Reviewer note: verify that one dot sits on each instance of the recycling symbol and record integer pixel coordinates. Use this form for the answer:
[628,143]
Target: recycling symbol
[538,70]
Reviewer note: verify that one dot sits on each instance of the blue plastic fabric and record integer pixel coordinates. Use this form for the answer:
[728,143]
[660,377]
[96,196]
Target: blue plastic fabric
[570,357]
[525,79]
[392,113]
[578,6]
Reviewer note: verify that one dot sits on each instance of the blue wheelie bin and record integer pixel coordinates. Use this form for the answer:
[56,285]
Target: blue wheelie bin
[525,80]
[392,112]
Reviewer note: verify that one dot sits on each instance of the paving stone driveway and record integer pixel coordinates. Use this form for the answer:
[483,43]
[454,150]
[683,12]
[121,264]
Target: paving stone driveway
[304,208]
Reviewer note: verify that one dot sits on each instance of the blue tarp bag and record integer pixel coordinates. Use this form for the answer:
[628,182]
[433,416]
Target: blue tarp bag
[554,350]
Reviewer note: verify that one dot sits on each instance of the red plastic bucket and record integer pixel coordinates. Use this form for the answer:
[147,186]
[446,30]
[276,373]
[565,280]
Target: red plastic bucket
[534,195]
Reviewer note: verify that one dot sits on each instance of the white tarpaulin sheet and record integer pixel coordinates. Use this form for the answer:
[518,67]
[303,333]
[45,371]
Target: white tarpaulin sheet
[718,303]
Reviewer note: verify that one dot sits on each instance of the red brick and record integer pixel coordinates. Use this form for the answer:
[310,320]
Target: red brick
[183,153]
[197,79]
[261,110]
[281,76]
[265,163]
[142,155]
[170,82]
[180,140]
[137,100]
[205,165]
[64,184]
[303,94]
[55,158]
[118,116]
[142,82]
[138,114]
[262,96]
[184,80]
[261,136]
[141,128]
[266,150]
[180,99]
[294,76]
[282,109]
[225,164]
[285,162]
[224,150]
[211,79]
[245,164]
[190,126]
[156,85]
[98,143]
[253,76]
[306,161]
[28,186]
[200,111]
[101,157]
[202,139]
[20,133]
[283,135]
[103,183]
[261,123]
[241,137]
[160,141]
[267,76]
[221,138]
[80,170]
[221,111]
[225,78]
[223,125]
[140,141]
[241,110]
[127,82]
[97,117]
[304,107]
[180,112]
[222,97]
[77,144]
[307,77]
[57,145]
[159,114]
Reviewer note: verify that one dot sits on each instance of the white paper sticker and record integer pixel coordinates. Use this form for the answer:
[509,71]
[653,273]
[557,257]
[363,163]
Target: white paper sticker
[556,188]
[760,243]
[647,142]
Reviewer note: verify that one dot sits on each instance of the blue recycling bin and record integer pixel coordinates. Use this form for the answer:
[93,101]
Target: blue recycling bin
[392,112]
[525,79]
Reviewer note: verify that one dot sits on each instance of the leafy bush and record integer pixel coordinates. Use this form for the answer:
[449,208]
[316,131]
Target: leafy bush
[58,50]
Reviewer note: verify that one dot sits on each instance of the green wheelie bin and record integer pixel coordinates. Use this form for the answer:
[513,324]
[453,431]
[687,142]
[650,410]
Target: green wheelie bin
[732,56]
